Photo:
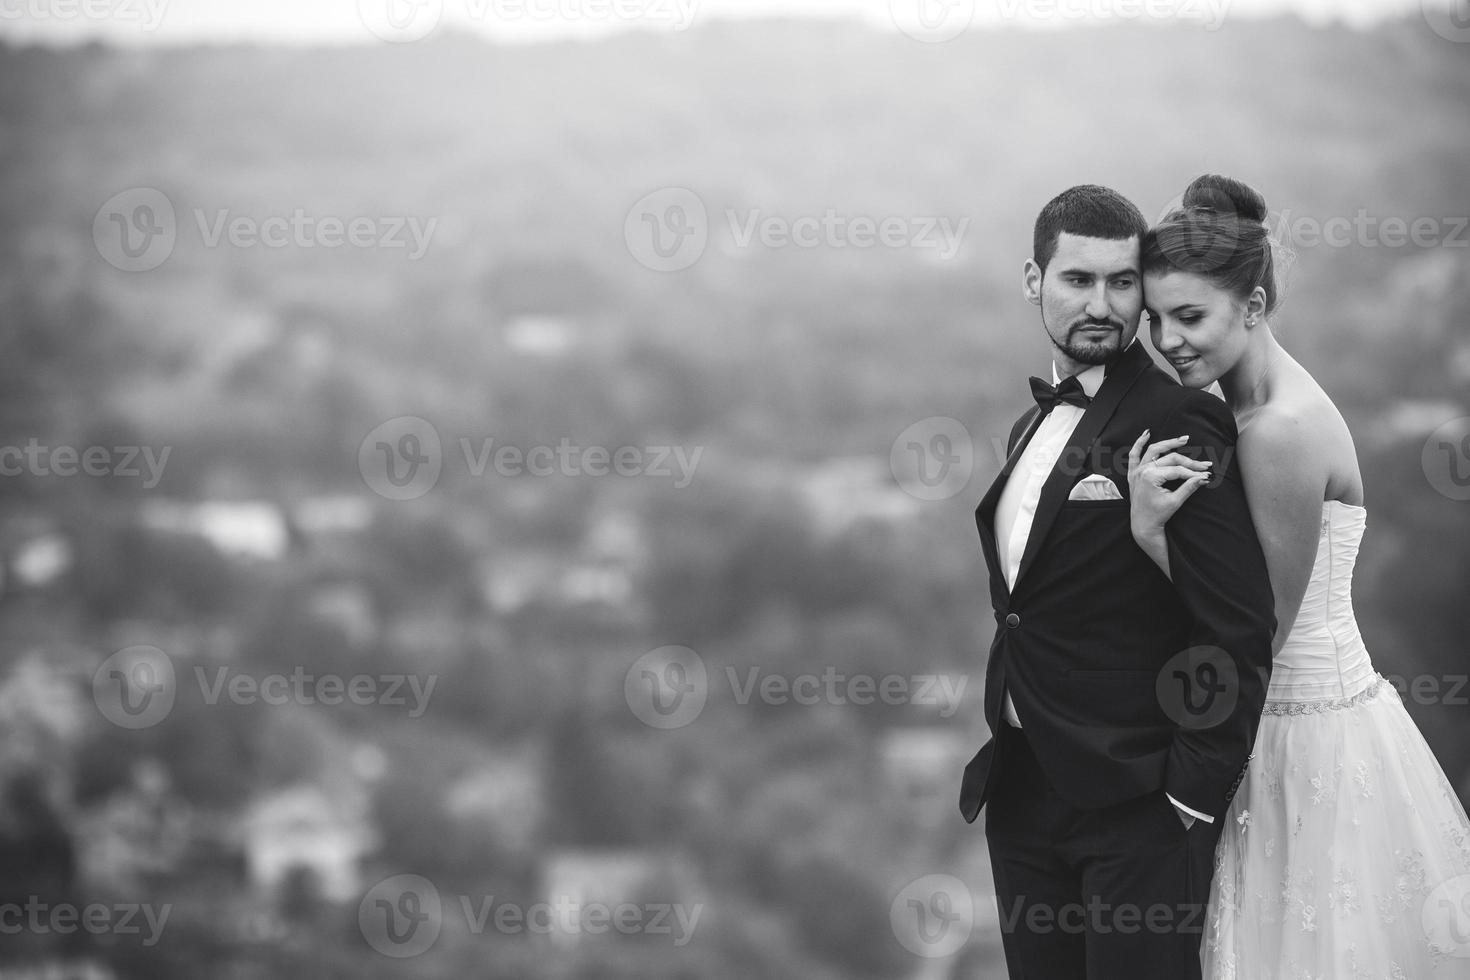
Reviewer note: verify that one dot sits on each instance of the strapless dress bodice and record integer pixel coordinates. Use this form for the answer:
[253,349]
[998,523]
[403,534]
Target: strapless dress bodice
[1324,658]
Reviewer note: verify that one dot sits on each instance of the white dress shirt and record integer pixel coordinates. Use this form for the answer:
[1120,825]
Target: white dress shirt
[1015,511]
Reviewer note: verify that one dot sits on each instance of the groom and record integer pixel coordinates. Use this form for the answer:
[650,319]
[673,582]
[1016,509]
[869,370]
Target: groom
[1123,704]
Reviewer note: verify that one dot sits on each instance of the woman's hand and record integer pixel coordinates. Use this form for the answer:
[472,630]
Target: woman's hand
[1150,505]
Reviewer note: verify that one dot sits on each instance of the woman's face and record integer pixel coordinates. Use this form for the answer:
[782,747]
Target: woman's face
[1197,326]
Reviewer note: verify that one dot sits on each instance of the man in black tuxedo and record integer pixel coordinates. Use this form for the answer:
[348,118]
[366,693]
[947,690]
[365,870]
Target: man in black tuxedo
[1123,705]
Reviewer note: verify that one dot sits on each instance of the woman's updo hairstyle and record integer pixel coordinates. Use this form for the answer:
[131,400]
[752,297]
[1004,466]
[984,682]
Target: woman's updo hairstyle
[1218,231]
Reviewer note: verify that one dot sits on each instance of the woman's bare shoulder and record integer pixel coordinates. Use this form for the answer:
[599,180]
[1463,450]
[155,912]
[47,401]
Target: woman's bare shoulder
[1300,427]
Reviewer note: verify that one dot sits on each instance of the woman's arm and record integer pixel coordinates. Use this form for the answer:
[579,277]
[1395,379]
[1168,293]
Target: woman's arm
[1284,468]
[1284,472]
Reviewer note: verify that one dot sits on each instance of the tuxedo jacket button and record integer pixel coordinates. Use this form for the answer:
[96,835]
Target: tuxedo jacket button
[1012,620]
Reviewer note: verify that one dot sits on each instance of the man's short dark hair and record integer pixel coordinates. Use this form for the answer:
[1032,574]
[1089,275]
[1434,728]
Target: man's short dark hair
[1088,210]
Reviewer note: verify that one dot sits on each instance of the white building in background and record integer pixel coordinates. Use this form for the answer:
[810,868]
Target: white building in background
[304,829]
[240,529]
[601,576]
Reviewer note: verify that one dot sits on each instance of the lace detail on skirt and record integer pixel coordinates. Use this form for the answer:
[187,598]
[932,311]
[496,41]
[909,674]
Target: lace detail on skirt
[1364,696]
[1346,853]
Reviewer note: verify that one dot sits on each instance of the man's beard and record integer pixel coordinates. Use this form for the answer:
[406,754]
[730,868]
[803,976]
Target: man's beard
[1086,350]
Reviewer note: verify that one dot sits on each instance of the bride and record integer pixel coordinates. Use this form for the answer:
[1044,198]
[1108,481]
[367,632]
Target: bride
[1346,853]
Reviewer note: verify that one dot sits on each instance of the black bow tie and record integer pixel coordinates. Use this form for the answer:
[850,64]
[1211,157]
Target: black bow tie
[1069,391]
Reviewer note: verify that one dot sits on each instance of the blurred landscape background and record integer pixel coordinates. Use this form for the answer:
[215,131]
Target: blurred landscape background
[264,545]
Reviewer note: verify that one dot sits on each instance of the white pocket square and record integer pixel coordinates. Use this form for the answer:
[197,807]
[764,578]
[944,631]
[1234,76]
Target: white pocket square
[1095,487]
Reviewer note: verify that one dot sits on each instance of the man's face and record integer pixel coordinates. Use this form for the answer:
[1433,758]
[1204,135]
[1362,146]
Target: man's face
[1091,297]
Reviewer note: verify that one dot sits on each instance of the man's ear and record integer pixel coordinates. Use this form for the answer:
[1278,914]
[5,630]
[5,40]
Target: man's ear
[1031,282]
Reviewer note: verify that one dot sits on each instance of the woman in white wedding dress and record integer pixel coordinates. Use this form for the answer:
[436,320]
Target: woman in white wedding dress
[1345,854]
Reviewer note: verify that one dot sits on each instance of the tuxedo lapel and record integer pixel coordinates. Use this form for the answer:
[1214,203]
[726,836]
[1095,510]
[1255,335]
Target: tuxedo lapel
[1120,377]
[985,513]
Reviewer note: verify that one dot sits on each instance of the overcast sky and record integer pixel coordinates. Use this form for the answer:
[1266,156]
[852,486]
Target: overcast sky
[374,21]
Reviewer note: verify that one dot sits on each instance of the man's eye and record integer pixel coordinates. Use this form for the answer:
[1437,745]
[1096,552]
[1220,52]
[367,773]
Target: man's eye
[1079,280]
[1123,283]
[1191,318]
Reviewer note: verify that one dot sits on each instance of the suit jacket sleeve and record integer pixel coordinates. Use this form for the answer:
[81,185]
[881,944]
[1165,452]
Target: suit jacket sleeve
[1219,571]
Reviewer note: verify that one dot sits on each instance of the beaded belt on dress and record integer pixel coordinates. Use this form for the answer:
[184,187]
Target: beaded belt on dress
[1369,693]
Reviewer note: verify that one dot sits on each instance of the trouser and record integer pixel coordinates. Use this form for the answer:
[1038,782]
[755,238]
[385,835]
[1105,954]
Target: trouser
[1115,893]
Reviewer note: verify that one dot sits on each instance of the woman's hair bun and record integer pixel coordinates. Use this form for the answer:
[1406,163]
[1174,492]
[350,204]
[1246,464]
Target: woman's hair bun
[1220,232]
[1225,195]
